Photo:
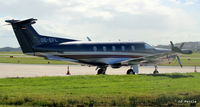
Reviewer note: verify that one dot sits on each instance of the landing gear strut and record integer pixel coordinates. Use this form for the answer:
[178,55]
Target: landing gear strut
[156,70]
[101,70]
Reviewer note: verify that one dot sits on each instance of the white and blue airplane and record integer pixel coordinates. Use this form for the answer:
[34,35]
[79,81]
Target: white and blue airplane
[100,54]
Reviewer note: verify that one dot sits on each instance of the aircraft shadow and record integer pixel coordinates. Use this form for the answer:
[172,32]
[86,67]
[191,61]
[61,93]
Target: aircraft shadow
[174,76]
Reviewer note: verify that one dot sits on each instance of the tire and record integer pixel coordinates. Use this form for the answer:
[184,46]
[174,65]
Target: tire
[156,72]
[130,72]
[100,71]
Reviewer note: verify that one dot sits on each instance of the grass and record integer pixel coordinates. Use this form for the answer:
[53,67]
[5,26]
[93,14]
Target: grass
[186,60]
[19,58]
[102,90]
[194,55]
[30,60]
[14,52]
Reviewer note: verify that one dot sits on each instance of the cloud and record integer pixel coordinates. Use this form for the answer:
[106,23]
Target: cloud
[185,2]
[142,20]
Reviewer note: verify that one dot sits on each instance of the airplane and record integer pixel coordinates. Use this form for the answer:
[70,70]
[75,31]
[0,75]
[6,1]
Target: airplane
[100,54]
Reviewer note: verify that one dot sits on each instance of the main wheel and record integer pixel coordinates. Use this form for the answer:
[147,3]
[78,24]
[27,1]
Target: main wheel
[130,72]
[156,72]
[100,71]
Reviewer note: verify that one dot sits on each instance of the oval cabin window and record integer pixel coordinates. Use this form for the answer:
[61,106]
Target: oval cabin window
[113,48]
[133,48]
[94,48]
[123,48]
[104,48]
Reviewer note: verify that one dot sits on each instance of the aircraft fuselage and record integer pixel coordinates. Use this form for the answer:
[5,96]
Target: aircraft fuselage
[99,53]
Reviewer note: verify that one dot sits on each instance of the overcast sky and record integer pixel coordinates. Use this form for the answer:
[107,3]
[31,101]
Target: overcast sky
[151,21]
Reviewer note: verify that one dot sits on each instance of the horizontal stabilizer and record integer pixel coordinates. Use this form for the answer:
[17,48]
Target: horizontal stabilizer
[22,22]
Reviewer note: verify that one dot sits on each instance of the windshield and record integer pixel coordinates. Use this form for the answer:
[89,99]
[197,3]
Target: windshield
[147,46]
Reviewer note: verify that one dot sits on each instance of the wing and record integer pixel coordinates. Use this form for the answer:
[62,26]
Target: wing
[52,57]
[151,59]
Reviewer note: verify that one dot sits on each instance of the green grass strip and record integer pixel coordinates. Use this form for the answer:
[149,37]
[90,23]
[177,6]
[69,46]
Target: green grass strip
[103,90]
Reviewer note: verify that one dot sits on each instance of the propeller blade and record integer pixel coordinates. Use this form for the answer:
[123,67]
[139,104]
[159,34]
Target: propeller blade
[172,44]
[181,46]
[176,49]
[88,39]
[179,61]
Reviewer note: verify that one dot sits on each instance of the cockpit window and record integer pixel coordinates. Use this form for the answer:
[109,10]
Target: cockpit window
[139,46]
[147,46]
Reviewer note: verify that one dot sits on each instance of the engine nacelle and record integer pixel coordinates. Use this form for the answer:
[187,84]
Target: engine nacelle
[116,65]
[186,51]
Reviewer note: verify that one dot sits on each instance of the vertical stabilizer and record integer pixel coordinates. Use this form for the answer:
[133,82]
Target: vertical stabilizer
[28,38]
[26,35]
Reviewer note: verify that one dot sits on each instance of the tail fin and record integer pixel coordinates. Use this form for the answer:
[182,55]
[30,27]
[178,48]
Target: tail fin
[28,37]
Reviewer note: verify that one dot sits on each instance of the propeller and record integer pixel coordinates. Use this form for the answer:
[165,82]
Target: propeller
[88,38]
[176,49]
[179,50]
[181,46]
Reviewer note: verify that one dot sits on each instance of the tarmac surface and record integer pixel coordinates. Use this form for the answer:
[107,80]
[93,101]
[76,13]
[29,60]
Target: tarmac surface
[38,70]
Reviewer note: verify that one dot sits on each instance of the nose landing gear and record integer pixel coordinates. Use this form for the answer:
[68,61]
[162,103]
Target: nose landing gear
[156,70]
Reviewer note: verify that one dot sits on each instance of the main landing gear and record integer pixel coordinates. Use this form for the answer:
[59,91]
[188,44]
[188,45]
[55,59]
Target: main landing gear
[133,70]
[130,72]
[156,70]
[101,70]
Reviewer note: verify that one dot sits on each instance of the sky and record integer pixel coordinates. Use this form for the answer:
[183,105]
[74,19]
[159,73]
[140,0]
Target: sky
[153,21]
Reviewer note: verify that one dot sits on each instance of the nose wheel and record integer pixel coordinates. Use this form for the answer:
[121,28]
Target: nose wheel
[130,72]
[156,70]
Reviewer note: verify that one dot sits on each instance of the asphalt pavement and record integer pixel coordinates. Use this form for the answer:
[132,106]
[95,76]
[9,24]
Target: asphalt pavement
[38,70]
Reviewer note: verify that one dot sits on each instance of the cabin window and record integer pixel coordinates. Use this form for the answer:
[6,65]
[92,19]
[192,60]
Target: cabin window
[132,47]
[104,48]
[113,48]
[123,48]
[94,48]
